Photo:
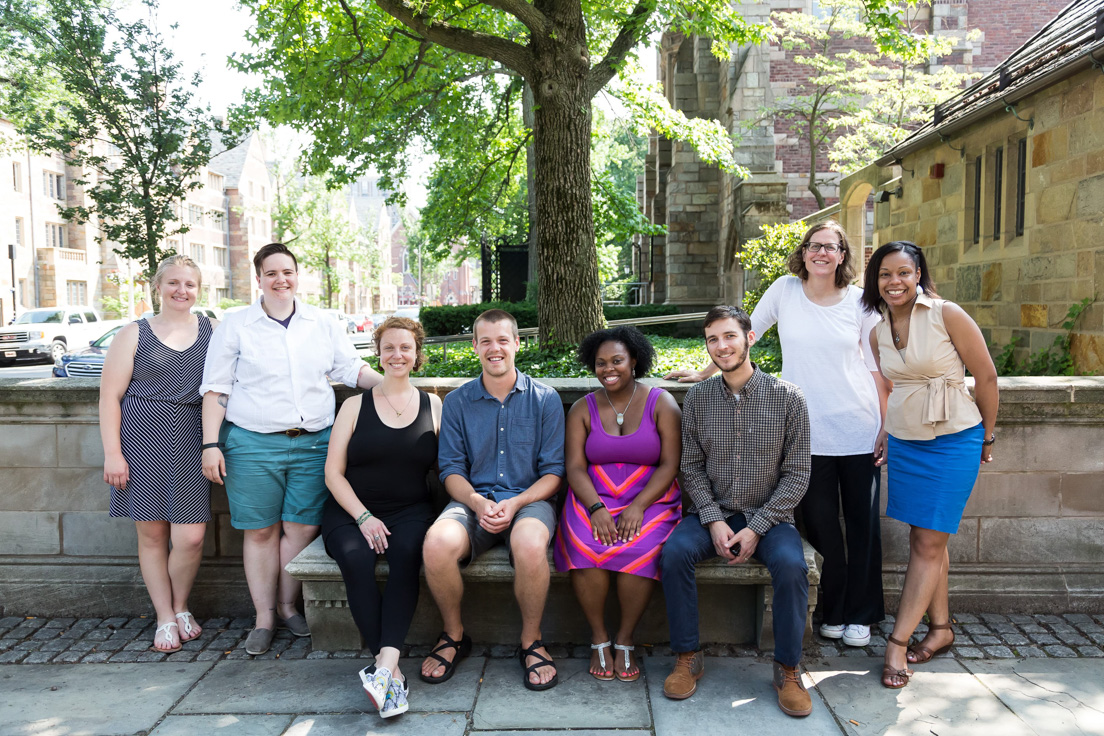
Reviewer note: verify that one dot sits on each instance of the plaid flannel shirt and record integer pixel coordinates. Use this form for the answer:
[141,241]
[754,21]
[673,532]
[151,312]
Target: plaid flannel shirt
[745,452]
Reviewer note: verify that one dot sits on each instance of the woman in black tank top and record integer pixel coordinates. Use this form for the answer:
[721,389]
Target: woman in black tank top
[383,444]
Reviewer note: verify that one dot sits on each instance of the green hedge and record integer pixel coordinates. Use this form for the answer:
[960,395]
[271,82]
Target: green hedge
[458,320]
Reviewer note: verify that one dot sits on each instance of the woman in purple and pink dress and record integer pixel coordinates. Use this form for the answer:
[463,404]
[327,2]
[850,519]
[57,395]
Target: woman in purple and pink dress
[623,501]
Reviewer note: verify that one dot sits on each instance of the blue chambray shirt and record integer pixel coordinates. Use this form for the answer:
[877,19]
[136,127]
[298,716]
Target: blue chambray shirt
[502,448]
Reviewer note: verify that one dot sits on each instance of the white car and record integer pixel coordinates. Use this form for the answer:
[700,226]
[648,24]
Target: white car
[344,319]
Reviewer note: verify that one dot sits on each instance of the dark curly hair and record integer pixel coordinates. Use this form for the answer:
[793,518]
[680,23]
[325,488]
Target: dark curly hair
[403,323]
[872,298]
[640,349]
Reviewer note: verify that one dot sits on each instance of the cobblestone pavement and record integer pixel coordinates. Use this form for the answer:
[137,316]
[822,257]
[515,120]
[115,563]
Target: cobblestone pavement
[36,640]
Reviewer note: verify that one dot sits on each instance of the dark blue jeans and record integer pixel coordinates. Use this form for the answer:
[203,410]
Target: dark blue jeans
[780,550]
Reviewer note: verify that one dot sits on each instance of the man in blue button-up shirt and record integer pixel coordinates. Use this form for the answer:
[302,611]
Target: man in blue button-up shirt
[501,456]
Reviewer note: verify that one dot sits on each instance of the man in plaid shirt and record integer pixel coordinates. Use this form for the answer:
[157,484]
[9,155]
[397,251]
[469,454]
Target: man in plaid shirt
[745,462]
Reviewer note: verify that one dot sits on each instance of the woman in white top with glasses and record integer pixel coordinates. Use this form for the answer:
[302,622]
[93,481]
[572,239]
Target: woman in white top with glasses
[821,323]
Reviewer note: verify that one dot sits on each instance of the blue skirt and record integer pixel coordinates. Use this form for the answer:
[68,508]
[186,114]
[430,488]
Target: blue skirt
[931,480]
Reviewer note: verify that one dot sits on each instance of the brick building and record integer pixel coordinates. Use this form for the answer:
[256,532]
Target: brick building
[708,214]
[60,263]
[1004,190]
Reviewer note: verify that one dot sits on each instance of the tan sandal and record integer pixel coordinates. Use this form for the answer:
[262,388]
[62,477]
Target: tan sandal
[890,674]
[921,654]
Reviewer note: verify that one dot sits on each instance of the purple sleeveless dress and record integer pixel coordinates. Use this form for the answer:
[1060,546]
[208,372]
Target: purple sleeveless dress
[620,467]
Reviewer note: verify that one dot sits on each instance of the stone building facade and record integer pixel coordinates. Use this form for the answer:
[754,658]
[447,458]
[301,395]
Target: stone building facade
[1004,191]
[61,263]
[709,213]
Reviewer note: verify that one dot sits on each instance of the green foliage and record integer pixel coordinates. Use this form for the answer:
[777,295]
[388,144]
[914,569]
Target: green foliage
[225,304]
[1053,360]
[315,222]
[125,117]
[457,320]
[767,256]
[857,100]
[371,81]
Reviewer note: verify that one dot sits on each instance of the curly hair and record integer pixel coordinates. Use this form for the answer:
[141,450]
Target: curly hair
[403,323]
[845,271]
[640,349]
[872,298]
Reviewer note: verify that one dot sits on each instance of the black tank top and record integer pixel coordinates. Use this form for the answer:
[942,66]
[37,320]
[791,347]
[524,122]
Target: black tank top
[386,466]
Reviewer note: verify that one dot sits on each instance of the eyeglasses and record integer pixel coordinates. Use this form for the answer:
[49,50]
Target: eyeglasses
[826,247]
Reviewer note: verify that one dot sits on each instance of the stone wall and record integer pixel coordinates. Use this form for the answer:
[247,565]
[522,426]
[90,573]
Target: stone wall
[1030,539]
[1014,285]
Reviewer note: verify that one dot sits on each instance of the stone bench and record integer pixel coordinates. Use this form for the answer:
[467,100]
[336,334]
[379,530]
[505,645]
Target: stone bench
[734,604]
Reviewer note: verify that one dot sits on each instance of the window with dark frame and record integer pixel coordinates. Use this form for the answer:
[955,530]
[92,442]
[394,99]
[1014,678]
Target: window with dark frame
[977,200]
[1021,184]
[998,185]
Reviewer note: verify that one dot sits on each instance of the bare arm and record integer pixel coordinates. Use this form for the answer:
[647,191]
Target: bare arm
[367,378]
[214,411]
[117,372]
[692,376]
[375,532]
[970,343]
[885,386]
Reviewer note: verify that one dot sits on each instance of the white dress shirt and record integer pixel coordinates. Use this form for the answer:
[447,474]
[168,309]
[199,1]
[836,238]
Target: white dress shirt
[276,377]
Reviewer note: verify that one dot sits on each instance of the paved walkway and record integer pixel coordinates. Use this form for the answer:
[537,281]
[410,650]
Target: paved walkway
[1009,675]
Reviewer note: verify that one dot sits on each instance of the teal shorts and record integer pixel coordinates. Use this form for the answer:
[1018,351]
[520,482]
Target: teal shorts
[273,477]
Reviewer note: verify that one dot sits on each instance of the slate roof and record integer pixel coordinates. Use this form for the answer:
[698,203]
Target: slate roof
[1071,42]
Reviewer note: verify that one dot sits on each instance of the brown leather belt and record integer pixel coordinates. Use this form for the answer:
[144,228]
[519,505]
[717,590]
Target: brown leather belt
[294,432]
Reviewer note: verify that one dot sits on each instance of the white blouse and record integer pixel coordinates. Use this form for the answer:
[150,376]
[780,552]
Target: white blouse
[826,352]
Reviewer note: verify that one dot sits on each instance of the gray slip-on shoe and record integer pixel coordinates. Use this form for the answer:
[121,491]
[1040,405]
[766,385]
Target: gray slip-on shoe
[259,641]
[297,625]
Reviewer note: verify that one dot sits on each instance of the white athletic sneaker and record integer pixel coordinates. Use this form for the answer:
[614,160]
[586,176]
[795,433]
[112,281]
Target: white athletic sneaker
[831,631]
[396,703]
[856,635]
[376,680]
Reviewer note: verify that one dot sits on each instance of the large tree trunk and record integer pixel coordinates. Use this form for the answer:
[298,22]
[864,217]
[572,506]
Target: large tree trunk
[570,303]
[527,106]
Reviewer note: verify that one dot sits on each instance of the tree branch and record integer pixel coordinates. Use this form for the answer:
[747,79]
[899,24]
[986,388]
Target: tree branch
[531,18]
[475,43]
[627,38]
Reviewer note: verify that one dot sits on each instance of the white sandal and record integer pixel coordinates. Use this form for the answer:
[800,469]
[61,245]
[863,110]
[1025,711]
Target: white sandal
[188,627]
[602,661]
[164,628]
[626,648]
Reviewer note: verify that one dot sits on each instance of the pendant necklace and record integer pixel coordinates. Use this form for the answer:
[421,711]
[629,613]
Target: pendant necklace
[621,414]
[397,412]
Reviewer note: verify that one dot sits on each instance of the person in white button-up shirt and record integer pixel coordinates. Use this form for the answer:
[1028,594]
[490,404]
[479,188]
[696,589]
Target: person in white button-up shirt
[267,411]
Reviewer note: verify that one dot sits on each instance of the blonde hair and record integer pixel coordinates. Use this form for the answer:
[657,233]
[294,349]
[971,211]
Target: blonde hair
[177,260]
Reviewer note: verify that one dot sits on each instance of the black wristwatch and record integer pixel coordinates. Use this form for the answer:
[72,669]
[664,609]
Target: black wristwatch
[991,440]
[595,507]
[209,445]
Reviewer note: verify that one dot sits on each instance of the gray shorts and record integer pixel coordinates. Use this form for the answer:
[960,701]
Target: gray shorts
[482,540]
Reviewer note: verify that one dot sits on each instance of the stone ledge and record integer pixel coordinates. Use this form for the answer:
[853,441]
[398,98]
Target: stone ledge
[723,619]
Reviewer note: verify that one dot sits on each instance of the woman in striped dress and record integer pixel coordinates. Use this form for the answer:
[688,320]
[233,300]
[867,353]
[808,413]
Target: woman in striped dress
[150,427]
[623,501]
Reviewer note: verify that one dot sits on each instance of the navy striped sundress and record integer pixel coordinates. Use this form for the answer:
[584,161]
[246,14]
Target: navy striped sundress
[160,433]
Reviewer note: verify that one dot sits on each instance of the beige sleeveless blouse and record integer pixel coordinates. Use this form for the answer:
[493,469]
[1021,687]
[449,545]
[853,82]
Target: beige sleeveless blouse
[929,396]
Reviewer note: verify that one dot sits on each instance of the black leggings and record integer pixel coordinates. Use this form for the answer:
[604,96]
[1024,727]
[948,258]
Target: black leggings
[383,618]
[851,577]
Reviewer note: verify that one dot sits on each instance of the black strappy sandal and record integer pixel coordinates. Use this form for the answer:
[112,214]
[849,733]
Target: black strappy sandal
[463,649]
[531,651]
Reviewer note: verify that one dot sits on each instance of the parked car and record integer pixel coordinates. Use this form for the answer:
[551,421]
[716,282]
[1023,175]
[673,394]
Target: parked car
[411,312]
[350,325]
[87,361]
[50,332]
[364,322]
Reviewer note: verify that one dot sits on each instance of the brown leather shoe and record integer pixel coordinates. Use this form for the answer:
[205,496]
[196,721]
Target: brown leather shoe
[683,680]
[793,698]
